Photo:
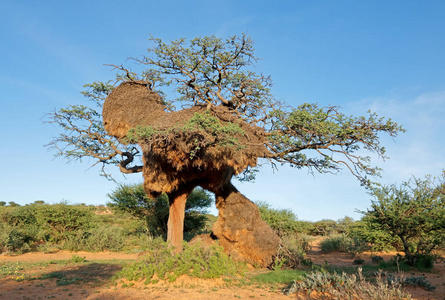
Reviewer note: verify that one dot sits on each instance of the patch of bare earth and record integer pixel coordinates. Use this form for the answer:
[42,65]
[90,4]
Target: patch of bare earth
[93,280]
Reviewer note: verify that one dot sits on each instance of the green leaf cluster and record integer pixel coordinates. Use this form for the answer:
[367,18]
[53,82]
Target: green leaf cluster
[203,131]
[282,221]
[333,138]
[195,261]
[414,212]
[154,212]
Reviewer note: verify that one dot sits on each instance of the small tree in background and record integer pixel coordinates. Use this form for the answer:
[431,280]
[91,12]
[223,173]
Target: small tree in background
[154,212]
[414,212]
[325,227]
[379,240]
[282,221]
[57,222]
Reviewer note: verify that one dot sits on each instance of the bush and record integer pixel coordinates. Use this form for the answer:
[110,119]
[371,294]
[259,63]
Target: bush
[292,252]
[379,240]
[336,242]
[343,243]
[344,286]
[57,222]
[414,212]
[282,221]
[325,227]
[97,239]
[154,212]
[377,259]
[18,229]
[194,261]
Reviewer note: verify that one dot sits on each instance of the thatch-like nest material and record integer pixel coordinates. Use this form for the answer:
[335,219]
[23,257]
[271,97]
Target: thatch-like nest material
[173,156]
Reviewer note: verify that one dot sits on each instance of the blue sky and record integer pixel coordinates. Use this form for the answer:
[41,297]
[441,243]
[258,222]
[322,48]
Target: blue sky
[387,56]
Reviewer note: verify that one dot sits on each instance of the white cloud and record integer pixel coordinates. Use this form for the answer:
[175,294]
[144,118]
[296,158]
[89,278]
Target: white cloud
[419,150]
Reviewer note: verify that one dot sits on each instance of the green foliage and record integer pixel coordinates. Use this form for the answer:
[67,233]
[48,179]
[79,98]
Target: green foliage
[343,243]
[379,240]
[344,225]
[57,222]
[414,212]
[278,276]
[377,259]
[132,199]
[77,259]
[344,286]
[325,227]
[49,228]
[292,252]
[194,261]
[97,239]
[282,221]
[18,228]
[336,137]
[415,281]
[203,129]
[337,242]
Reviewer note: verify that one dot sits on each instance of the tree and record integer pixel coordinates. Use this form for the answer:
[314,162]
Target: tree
[2,203]
[325,227]
[231,119]
[282,221]
[133,199]
[414,212]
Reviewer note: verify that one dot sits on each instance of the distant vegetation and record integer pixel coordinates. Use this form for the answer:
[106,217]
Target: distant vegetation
[409,218]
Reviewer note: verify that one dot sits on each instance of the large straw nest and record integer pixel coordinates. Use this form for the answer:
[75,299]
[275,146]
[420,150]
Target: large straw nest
[168,159]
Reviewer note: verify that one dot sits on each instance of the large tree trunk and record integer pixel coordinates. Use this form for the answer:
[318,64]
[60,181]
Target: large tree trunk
[241,231]
[175,225]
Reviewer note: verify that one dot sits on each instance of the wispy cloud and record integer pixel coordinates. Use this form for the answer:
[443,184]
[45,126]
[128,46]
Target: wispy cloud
[419,151]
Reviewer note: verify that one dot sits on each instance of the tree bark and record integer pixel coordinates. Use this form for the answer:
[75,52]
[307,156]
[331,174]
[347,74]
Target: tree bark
[175,225]
[409,256]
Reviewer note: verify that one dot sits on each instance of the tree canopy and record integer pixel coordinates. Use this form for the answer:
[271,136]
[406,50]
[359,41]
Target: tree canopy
[213,72]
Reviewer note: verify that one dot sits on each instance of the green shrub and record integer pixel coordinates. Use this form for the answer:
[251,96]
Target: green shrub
[325,227]
[106,238]
[343,243]
[336,242]
[154,212]
[379,240]
[96,239]
[377,259]
[57,222]
[194,261]
[415,213]
[282,221]
[292,252]
[415,281]
[18,231]
[344,286]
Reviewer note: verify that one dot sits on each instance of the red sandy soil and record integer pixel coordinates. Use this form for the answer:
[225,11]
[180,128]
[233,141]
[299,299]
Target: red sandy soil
[96,283]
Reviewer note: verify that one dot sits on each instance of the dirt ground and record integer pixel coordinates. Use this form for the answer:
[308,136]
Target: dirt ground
[96,280]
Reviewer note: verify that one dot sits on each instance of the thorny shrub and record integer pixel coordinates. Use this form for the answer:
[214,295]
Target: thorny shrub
[195,261]
[354,286]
